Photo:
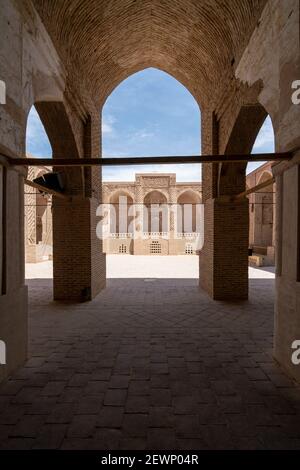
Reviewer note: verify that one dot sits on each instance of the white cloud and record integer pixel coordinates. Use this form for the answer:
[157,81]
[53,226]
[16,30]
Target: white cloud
[37,142]
[106,128]
[265,138]
[108,125]
[142,134]
[33,125]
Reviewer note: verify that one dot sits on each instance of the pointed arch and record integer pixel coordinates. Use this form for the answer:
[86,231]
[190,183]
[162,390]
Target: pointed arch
[232,177]
[149,113]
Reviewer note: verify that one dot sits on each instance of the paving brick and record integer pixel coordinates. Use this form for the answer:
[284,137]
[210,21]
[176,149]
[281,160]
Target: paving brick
[187,426]
[61,413]
[82,426]
[137,404]
[53,389]
[161,439]
[29,426]
[160,397]
[115,397]
[221,389]
[185,404]
[139,387]
[110,417]
[107,439]
[50,437]
[90,404]
[133,443]
[161,417]
[95,388]
[119,381]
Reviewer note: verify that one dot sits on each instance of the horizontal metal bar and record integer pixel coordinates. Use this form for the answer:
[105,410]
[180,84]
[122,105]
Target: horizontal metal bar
[164,160]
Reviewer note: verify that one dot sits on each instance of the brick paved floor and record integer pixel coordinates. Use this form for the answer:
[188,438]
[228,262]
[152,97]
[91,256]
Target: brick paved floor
[152,365]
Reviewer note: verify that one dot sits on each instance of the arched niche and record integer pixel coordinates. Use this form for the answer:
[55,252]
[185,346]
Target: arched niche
[187,206]
[155,212]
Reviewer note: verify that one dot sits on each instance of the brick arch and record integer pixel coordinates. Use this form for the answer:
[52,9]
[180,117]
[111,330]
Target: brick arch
[160,198]
[116,210]
[232,176]
[191,200]
[121,192]
[190,191]
[126,36]
[264,177]
[61,135]
[55,119]
[158,191]
[65,130]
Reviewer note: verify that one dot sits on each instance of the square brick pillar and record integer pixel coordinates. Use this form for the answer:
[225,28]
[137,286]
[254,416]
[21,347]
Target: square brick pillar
[224,258]
[78,262]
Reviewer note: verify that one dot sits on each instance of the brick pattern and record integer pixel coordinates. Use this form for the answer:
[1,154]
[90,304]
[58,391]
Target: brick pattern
[160,34]
[230,250]
[157,366]
[37,220]
[78,261]
[224,258]
[164,189]
[230,129]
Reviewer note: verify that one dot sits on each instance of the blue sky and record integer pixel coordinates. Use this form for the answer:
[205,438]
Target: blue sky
[150,113]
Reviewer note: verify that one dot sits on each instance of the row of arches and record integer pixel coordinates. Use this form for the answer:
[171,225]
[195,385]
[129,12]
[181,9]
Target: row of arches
[155,203]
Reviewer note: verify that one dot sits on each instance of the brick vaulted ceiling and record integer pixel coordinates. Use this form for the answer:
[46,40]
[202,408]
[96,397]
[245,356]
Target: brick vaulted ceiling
[196,41]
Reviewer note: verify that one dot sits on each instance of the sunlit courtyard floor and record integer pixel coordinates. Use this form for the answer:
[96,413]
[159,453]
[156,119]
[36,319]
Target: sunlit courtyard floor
[150,364]
[161,267]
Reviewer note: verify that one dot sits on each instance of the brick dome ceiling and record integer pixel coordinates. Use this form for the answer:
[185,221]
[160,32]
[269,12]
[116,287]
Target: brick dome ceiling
[196,41]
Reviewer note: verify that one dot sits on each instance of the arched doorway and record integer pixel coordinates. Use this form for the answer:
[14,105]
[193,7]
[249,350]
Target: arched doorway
[121,228]
[187,211]
[262,202]
[264,198]
[38,206]
[151,113]
[156,214]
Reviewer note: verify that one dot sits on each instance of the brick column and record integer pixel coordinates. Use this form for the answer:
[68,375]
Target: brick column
[224,257]
[78,261]
[79,266]
[225,275]
[209,138]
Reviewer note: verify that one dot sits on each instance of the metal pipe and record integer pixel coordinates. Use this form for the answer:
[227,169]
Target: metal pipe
[161,160]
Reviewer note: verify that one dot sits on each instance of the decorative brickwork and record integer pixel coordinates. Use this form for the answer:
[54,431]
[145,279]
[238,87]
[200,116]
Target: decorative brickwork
[164,190]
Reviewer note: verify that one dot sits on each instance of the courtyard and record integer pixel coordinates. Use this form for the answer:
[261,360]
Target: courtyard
[149,153]
[150,363]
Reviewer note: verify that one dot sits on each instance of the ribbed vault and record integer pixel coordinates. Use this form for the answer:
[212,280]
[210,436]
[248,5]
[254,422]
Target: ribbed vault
[196,41]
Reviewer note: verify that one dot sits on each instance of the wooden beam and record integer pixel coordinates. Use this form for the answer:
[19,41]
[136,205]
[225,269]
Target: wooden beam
[45,190]
[256,188]
[164,160]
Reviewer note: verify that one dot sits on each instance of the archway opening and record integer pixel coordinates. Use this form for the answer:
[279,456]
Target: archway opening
[262,202]
[187,202]
[38,205]
[156,211]
[152,114]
